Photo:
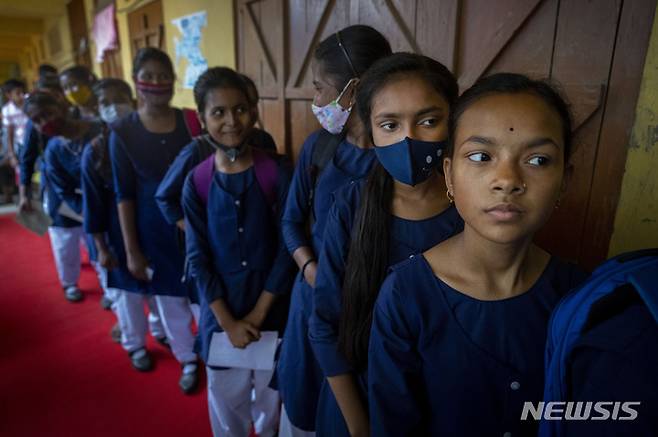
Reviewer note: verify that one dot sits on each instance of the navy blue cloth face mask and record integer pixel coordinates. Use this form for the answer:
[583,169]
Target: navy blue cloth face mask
[411,161]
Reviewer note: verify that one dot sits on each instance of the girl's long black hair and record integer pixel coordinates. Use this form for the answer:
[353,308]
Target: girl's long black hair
[368,257]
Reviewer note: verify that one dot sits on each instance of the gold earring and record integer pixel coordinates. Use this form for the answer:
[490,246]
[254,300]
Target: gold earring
[450,197]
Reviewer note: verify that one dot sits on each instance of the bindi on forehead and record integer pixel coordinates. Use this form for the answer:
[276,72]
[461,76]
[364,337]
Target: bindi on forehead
[511,129]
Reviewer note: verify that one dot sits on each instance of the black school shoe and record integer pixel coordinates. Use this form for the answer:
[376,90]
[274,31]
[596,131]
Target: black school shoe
[73,293]
[106,303]
[189,379]
[141,360]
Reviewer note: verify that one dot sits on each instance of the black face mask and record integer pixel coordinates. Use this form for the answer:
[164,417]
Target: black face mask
[232,153]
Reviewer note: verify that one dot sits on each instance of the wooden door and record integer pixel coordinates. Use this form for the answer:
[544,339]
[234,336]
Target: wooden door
[79,35]
[146,27]
[594,50]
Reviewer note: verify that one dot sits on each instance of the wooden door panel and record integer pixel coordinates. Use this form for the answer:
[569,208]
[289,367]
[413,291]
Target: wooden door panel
[581,62]
[540,38]
[302,123]
[530,51]
[485,32]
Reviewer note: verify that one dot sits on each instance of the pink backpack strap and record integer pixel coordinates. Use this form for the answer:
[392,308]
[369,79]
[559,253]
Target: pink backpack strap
[202,177]
[267,171]
[192,122]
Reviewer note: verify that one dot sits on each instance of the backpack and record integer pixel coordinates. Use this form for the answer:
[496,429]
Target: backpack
[324,150]
[639,269]
[192,122]
[265,168]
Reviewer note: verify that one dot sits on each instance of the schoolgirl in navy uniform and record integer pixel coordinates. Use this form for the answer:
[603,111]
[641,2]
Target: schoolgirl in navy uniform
[400,209]
[170,190]
[142,146]
[458,333]
[63,197]
[235,251]
[101,220]
[337,65]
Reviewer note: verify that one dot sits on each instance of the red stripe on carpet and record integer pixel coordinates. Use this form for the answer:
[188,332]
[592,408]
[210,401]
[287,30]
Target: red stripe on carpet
[60,373]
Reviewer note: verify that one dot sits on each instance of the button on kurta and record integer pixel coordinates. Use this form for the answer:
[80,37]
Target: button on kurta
[240,229]
[515,385]
[237,203]
[244,263]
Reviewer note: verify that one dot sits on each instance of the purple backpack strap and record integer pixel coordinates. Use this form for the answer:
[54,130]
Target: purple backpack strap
[266,170]
[202,177]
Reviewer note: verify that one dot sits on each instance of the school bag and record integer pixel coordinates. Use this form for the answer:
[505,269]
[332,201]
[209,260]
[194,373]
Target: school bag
[324,150]
[638,269]
[265,168]
[192,122]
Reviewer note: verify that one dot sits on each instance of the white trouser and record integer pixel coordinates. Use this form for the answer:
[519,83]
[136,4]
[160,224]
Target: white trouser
[196,312]
[129,308]
[232,406]
[65,243]
[155,321]
[287,429]
[101,272]
[176,318]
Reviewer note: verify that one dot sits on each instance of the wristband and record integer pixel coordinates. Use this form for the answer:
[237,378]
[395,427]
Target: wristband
[309,261]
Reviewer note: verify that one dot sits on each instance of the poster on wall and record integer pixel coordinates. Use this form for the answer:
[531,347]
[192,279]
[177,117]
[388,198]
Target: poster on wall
[188,46]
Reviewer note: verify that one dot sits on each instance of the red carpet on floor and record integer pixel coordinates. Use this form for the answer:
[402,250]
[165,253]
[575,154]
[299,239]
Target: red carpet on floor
[61,374]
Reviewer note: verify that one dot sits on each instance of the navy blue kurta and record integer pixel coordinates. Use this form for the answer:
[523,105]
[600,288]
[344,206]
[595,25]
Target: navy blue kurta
[100,215]
[444,363]
[170,190]
[298,377]
[61,178]
[235,249]
[406,237]
[140,159]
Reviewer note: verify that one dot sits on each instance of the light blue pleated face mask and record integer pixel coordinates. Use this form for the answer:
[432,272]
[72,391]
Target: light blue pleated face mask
[411,161]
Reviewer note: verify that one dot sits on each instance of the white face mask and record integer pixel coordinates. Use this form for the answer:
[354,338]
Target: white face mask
[111,113]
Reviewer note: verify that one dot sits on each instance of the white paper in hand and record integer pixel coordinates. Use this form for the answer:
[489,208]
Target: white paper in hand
[258,355]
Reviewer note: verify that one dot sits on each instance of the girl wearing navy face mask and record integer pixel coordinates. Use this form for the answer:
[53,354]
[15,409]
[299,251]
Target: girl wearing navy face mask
[399,210]
[329,159]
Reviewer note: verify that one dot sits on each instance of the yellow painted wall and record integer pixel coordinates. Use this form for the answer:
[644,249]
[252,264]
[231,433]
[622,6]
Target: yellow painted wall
[63,58]
[217,45]
[636,222]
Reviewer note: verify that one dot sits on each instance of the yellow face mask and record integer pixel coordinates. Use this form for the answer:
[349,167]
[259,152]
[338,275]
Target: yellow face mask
[78,95]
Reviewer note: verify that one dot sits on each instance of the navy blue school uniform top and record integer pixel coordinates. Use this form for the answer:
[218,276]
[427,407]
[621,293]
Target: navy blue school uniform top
[235,249]
[406,237]
[170,190]
[62,176]
[350,163]
[298,376]
[443,363]
[33,143]
[140,159]
[100,214]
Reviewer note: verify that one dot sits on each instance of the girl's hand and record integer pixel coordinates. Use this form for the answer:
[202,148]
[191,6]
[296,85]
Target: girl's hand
[255,318]
[24,204]
[137,265]
[241,333]
[310,272]
[107,260]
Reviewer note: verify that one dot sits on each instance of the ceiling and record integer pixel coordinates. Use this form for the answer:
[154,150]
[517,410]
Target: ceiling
[22,22]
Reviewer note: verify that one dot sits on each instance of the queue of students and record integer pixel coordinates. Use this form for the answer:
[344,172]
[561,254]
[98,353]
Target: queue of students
[395,261]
